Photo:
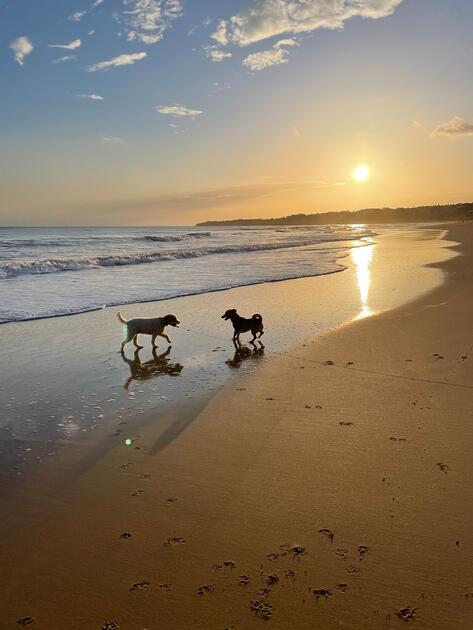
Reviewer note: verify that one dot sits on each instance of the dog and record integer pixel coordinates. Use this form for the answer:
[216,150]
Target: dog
[241,325]
[153,326]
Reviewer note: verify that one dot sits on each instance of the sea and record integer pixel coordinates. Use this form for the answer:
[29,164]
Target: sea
[48,272]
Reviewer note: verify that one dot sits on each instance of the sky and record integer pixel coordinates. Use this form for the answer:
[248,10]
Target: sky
[170,112]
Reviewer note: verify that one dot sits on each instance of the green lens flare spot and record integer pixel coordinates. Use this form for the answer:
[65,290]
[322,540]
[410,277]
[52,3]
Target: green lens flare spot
[128,442]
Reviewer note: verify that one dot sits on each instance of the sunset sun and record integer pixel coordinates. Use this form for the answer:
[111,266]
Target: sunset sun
[361,173]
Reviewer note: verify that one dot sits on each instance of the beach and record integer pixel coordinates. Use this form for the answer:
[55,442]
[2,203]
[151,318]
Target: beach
[323,481]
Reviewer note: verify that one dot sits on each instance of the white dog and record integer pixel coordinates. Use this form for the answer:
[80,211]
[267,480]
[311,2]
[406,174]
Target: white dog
[153,326]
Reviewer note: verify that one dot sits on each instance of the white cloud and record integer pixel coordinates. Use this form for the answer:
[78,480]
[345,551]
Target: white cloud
[92,32]
[147,20]
[216,54]
[178,111]
[269,18]
[72,46]
[454,128]
[286,42]
[111,140]
[77,16]
[64,59]
[220,34]
[91,97]
[22,47]
[296,131]
[121,60]
[265,59]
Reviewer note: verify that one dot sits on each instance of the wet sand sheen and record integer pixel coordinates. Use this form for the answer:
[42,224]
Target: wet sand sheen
[308,494]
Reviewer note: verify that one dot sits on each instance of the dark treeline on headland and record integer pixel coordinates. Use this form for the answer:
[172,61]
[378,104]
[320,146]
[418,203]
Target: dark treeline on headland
[420,214]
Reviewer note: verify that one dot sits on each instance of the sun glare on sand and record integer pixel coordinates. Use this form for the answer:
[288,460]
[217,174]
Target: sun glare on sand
[361,173]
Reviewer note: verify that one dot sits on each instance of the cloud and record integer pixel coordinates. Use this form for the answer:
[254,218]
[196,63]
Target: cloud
[415,124]
[22,47]
[457,127]
[72,46]
[78,15]
[147,20]
[216,54]
[286,42]
[206,199]
[121,60]
[269,18]
[64,59]
[265,59]
[111,140]
[220,34]
[178,111]
[91,97]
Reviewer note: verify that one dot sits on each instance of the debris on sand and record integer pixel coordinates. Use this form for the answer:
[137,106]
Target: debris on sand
[406,614]
[25,621]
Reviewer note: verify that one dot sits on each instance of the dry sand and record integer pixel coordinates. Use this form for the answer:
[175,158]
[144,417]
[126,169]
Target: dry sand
[331,489]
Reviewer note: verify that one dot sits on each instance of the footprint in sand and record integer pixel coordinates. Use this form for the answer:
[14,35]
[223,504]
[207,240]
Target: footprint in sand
[226,564]
[111,625]
[352,569]
[327,533]
[443,467]
[171,500]
[261,609]
[125,535]
[127,465]
[343,553]
[321,593]
[138,493]
[342,587]
[362,550]
[175,540]
[144,476]
[165,587]
[395,439]
[25,621]
[139,586]
[406,614]
[243,580]
[289,573]
[345,423]
[272,556]
[349,363]
[205,588]
[272,579]
[329,363]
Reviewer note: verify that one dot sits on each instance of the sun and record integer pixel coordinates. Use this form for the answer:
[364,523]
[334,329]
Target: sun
[361,173]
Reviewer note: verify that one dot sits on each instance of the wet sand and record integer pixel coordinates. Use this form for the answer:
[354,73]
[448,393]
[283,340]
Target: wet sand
[329,488]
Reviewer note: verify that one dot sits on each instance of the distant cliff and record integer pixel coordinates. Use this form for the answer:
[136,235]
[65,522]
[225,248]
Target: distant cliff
[420,214]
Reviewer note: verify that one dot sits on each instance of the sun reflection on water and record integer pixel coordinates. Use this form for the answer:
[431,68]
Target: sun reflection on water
[362,257]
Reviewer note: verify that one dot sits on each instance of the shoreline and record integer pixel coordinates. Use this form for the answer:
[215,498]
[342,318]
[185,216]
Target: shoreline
[259,469]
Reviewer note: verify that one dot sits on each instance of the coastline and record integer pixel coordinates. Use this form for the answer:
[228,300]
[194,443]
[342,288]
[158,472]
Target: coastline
[261,466]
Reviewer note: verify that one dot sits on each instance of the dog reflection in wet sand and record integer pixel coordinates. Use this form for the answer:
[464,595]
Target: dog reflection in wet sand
[144,370]
[243,353]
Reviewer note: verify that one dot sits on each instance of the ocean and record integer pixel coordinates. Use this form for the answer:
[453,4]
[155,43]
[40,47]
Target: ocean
[46,272]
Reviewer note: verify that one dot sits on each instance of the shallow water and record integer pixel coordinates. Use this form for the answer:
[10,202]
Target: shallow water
[55,271]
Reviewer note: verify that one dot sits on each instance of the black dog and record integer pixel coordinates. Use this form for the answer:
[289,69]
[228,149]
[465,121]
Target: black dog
[241,324]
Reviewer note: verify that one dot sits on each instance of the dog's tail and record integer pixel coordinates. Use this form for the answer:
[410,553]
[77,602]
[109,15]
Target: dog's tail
[257,317]
[121,318]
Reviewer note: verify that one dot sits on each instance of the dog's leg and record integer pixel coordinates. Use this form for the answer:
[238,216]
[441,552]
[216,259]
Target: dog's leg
[261,334]
[164,336]
[153,342]
[135,341]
